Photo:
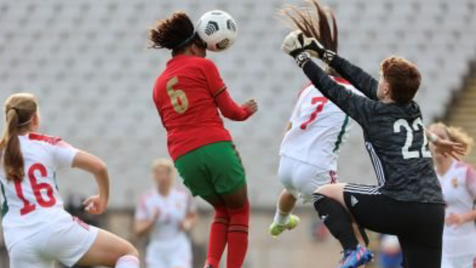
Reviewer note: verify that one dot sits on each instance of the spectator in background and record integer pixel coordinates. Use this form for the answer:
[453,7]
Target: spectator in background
[458,181]
[390,255]
[165,214]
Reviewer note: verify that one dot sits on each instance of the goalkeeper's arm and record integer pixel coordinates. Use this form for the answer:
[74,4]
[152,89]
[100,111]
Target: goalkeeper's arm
[358,107]
[361,80]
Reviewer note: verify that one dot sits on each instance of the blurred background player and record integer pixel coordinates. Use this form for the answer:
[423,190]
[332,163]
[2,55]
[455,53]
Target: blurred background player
[165,214]
[188,95]
[317,128]
[390,253]
[38,231]
[458,182]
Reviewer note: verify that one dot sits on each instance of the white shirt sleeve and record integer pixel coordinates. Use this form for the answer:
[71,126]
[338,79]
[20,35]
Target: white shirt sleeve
[471,182]
[63,155]
[192,205]
[142,212]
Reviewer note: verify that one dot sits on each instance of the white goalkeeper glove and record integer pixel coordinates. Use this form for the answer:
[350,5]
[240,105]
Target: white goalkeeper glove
[301,48]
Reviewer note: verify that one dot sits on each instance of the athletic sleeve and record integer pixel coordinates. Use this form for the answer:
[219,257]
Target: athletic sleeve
[142,213]
[471,182]
[361,80]
[230,109]
[191,205]
[214,80]
[63,154]
[358,107]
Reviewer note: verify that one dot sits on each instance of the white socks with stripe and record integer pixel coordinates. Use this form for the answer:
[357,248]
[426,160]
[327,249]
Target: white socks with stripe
[128,261]
[280,217]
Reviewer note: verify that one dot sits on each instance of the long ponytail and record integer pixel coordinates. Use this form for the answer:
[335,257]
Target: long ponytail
[19,110]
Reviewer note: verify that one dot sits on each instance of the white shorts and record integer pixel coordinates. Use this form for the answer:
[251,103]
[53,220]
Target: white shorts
[302,179]
[459,262]
[172,253]
[65,241]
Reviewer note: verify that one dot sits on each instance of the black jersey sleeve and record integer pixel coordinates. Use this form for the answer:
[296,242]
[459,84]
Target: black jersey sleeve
[358,107]
[361,80]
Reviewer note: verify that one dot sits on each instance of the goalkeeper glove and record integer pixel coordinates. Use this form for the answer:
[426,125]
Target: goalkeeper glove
[301,48]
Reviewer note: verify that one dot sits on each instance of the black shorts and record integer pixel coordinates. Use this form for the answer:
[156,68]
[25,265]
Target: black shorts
[418,226]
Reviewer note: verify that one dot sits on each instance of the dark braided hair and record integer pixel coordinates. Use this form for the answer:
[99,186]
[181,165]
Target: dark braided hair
[174,33]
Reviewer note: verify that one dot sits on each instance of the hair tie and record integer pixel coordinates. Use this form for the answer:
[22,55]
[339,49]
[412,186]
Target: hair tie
[183,43]
[25,123]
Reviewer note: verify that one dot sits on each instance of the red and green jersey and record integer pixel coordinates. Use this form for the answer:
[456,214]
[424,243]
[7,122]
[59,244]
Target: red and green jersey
[187,96]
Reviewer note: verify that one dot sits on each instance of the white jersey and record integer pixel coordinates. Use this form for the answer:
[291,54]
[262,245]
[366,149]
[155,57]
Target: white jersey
[172,210]
[318,129]
[459,191]
[34,203]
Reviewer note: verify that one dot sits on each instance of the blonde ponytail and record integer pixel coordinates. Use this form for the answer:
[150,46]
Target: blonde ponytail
[19,110]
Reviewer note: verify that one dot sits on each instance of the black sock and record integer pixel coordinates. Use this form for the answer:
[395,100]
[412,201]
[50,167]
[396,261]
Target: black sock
[336,219]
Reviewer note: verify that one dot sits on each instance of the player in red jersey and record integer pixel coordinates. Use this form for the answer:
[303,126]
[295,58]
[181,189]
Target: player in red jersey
[188,95]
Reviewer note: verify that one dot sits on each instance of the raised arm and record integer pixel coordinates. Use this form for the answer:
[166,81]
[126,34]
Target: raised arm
[357,107]
[361,80]
[218,91]
[300,48]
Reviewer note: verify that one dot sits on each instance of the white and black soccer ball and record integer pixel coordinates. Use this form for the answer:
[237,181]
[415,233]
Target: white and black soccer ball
[217,29]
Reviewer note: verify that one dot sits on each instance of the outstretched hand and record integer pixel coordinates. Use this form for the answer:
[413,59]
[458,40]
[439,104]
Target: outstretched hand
[296,43]
[449,148]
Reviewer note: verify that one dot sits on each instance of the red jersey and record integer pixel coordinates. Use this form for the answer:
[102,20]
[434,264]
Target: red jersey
[187,96]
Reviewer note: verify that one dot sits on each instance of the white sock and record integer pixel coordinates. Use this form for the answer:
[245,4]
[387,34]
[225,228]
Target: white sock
[280,217]
[128,261]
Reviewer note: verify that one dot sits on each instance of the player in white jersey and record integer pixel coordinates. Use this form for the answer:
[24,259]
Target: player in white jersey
[309,150]
[38,231]
[458,182]
[165,214]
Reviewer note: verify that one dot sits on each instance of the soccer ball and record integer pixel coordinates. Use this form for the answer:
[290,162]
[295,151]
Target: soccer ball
[217,29]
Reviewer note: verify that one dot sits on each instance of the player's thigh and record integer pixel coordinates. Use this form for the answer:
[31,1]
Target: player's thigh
[308,178]
[182,256]
[156,257]
[374,211]
[227,173]
[106,250]
[194,172]
[25,254]
[334,191]
[417,255]
[69,240]
[285,172]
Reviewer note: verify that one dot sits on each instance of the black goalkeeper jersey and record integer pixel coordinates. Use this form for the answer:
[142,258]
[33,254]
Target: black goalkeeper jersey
[394,134]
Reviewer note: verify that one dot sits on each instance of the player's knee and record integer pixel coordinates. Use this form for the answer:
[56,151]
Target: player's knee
[323,190]
[221,215]
[130,250]
[240,216]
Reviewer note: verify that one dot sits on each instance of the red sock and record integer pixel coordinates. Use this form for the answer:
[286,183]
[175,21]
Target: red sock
[218,236]
[238,236]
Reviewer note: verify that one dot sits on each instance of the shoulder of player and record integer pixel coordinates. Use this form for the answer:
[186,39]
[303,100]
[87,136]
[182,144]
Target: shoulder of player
[182,192]
[143,198]
[465,167]
[46,139]
[203,62]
